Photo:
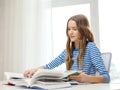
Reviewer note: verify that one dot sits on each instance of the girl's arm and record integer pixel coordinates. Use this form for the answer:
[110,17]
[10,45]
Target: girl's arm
[84,78]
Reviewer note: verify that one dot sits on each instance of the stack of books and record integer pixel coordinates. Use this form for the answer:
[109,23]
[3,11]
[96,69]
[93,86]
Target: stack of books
[44,78]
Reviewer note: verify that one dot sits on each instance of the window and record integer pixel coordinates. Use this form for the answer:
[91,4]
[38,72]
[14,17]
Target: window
[59,21]
[61,11]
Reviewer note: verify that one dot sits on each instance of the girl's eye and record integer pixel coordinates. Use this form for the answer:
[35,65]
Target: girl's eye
[74,29]
[68,29]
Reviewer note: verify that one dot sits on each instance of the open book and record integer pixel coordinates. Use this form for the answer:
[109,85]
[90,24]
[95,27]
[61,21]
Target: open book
[46,79]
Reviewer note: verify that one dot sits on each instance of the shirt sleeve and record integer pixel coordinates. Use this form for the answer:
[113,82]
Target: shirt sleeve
[97,61]
[57,61]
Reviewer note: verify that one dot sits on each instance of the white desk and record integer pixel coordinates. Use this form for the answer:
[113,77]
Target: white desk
[75,87]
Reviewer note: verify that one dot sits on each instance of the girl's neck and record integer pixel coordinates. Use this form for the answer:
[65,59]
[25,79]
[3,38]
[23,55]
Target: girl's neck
[77,45]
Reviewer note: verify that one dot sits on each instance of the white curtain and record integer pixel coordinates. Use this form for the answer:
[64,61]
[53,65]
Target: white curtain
[25,34]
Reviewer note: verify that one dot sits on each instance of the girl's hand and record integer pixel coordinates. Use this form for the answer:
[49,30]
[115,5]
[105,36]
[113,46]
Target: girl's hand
[82,77]
[29,73]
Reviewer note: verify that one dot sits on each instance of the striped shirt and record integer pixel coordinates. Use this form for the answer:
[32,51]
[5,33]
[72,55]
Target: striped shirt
[92,62]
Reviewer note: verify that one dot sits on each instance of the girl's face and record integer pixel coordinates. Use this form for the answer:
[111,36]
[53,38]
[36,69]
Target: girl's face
[73,32]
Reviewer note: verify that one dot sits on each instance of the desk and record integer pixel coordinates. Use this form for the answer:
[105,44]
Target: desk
[75,87]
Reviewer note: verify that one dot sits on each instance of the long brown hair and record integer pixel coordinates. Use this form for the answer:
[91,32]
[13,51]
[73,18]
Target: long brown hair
[85,37]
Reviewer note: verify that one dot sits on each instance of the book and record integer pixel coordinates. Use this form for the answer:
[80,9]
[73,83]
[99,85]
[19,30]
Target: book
[44,78]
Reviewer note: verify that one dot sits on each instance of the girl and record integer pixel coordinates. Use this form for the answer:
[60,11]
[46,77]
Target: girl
[81,53]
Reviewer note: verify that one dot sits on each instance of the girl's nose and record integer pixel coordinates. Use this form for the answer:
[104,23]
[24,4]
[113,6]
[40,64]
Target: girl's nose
[71,31]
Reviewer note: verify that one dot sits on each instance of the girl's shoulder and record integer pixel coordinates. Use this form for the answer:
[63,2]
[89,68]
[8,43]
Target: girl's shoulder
[91,44]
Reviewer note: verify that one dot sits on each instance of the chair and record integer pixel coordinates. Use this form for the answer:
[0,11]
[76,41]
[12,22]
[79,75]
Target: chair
[107,56]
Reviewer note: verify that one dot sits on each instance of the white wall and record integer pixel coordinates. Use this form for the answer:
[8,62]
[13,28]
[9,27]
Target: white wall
[109,33]
[25,41]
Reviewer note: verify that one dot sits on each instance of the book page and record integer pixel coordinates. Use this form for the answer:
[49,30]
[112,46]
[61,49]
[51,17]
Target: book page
[12,75]
[46,75]
[52,86]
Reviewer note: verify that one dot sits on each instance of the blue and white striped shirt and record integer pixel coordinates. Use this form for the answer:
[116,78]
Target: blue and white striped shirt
[92,62]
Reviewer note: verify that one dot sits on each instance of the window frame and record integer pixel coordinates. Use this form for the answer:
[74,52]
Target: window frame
[94,17]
